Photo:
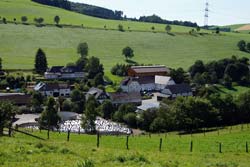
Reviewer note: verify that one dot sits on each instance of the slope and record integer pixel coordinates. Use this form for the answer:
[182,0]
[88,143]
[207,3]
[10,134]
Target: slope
[19,44]
[11,9]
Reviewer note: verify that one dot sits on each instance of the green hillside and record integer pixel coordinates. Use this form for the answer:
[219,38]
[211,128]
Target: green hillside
[11,9]
[23,151]
[19,44]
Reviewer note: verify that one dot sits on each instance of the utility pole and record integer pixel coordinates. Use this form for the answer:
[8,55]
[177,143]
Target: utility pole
[206,16]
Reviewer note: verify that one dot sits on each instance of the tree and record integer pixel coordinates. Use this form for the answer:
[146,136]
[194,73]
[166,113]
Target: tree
[49,118]
[24,19]
[41,64]
[78,101]
[153,28]
[81,63]
[98,80]
[198,67]
[107,109]
[7,114]
[66,106]
[1,66]
[130,119]
[242,45]
[89,116]
[57,19]
[227,81]
[83,49]
[217,30]
[248,47]
[120,28]
[168,28]
[14,20]
[128,52]
[37,102]
[179,76]
[198,29]
[94,67]
[4,20]
[38,20]
[243,103]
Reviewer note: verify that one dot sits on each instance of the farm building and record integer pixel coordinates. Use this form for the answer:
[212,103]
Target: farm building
[124,98]
[16,98]
[174,91]
[61,72]
[99,94]
[138,84]
[142,71]
[53,89]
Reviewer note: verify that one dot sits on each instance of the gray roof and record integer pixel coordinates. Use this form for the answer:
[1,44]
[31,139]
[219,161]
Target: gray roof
[179,88]
[150,69]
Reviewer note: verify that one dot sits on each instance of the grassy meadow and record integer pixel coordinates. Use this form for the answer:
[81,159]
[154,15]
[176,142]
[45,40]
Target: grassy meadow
[19,44]
[143,151]
[11,9]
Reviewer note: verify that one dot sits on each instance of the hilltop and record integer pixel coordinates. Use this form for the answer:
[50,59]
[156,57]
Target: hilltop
[19,43]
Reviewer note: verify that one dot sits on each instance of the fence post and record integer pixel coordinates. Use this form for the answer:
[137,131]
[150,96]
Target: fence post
[68,135]
[48,133]
[98,140]
[220,148]
[246,147]
[79,131]
[191,146]
[160,144]
[127,142]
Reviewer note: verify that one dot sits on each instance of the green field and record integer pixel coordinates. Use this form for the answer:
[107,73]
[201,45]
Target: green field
[11,9]
[24,151]
[19,44]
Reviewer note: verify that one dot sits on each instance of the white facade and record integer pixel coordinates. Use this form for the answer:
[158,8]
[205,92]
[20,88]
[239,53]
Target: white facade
[48,75]
[162,81]
[57,92]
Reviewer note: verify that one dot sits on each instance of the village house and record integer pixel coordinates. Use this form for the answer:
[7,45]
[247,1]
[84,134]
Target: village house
[125,98]
[61,72]
[173,91]
[142,71]
[137,84]
[99,94]
[19,99]
[53,89]
[162,81]
[149,83]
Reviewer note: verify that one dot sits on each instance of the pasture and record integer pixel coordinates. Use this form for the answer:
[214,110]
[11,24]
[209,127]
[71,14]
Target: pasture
[19,44]
[143,150]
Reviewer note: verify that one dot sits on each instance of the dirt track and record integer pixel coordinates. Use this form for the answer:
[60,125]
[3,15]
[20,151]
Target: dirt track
[243,28]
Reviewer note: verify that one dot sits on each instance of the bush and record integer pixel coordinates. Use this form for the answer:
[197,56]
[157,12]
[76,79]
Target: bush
[86,163]
[120,69]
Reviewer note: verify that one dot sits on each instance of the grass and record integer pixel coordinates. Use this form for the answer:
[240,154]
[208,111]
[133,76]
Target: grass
[234,91]
[19,44]
[25,151]
[11,9]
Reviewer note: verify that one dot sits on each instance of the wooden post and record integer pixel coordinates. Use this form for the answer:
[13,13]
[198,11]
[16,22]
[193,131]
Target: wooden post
[48,134]
[246,147]
[191,146]
[68,135]
[220,148]
[127,143]
[79,131]
[98,140]
[160,144]
[9,133]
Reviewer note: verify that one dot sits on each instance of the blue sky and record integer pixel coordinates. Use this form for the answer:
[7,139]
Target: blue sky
[222,12]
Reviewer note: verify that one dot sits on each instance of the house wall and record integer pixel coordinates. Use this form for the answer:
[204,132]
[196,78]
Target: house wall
[147,87]
[60,92]
[132,73]
[132,87]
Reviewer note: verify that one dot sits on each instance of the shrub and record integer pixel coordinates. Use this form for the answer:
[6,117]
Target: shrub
[86,163]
